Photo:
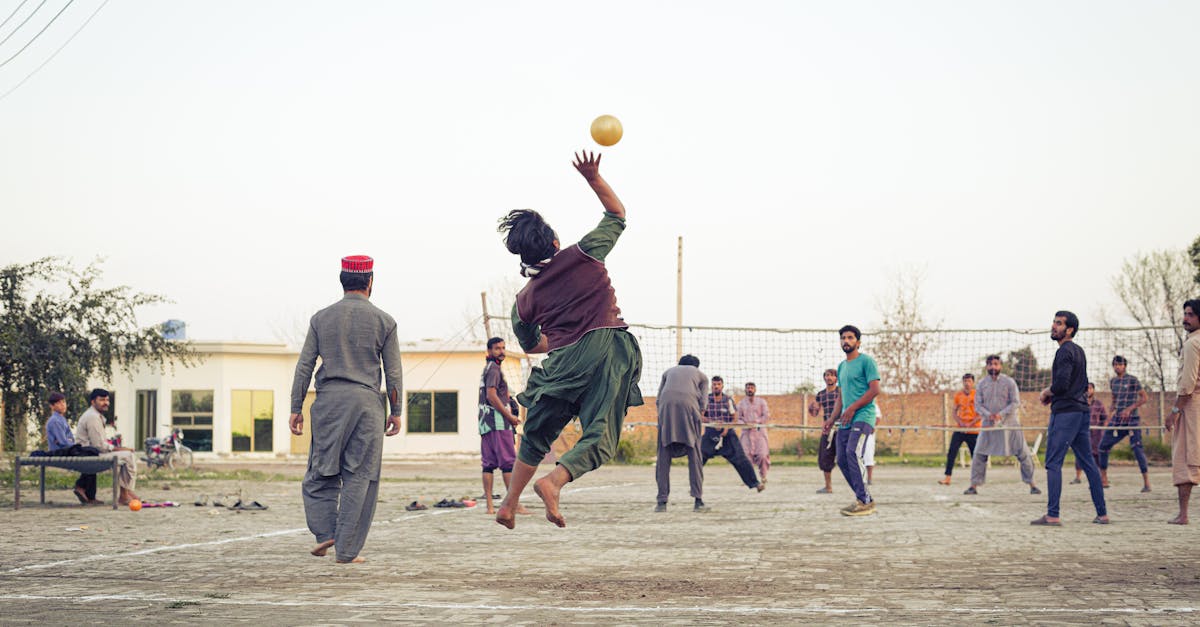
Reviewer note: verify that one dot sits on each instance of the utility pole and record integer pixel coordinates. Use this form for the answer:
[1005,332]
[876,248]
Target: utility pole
[487,322]
[679,302]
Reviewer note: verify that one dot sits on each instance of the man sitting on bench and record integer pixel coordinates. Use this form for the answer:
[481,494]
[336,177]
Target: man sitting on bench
[90,432]
[60,443]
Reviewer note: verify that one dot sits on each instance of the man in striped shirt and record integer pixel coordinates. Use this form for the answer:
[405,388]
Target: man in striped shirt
[724,441]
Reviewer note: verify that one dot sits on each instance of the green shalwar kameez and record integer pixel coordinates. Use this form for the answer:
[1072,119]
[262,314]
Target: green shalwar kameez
[595,379]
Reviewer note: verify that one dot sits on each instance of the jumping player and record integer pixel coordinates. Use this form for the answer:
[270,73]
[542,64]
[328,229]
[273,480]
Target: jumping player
[568,309]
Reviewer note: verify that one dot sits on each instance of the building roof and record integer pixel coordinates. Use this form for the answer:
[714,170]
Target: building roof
[430,345]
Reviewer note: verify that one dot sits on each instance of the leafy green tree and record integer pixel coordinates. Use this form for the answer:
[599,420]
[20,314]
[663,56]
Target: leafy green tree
[1022,366]
[59,329]
[1194,254]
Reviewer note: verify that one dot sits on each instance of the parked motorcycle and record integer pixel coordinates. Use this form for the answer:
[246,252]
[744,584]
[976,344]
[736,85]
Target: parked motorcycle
[170,452]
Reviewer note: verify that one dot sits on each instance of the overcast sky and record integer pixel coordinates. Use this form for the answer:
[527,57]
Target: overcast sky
[227,154]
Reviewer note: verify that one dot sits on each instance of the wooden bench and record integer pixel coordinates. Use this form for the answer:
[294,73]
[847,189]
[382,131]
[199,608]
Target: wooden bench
[85,465]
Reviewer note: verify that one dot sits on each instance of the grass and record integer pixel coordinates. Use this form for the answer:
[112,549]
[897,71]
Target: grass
[60,479]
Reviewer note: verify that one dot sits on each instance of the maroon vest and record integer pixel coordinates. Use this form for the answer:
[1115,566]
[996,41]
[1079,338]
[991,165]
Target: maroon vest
[569,297]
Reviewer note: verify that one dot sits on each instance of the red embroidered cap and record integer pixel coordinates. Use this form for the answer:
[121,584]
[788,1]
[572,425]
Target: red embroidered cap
[357,263]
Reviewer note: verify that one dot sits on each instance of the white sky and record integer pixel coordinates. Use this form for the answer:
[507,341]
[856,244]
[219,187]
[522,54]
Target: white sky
[227,154]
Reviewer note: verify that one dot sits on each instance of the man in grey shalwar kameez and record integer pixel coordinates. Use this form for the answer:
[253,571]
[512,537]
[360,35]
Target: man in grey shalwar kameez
[351,337]
[997,400]
[681,398]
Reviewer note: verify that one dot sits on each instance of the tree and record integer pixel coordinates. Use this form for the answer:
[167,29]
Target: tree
[1152,288]
[1022,366]
[58,339]
[1194,254]
[904,341]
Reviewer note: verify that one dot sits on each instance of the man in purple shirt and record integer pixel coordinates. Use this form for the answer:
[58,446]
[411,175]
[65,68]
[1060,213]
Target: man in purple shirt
[60,443]
[497,421]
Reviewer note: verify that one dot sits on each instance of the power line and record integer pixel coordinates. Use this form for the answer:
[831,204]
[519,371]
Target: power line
[10,15]
[55,54]
[39,33]
[23,22]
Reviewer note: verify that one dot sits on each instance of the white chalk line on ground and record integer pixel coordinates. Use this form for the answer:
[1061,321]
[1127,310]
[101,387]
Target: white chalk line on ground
[257,536]
[650,609]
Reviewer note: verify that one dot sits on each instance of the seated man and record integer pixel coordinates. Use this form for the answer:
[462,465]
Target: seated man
[725,442]
[90,432]
[60,443]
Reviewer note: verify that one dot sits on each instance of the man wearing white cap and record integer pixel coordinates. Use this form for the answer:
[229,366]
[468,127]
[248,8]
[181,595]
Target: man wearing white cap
[351,337]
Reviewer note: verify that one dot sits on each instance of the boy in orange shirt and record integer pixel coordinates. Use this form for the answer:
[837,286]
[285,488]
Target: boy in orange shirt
[965,416]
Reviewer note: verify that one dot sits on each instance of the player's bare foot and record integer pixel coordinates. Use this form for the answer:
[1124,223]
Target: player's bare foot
[358,560]
[548,492]
[521,510]
[1178,520]
[506,516]
[491,510]
[322,549]
[944,481]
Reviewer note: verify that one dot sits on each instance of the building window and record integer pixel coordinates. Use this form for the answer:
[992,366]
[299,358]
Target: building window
[147,417]
[432,412]
[253,416]
[192,411]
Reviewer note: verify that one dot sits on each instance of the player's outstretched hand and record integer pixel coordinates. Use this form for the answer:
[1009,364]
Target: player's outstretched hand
[588,165]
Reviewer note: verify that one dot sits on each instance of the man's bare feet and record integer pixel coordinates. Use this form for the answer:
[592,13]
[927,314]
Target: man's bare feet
[505,516]
[322,549]
[548,492]
[521,510]
[1178,520]
[358,560]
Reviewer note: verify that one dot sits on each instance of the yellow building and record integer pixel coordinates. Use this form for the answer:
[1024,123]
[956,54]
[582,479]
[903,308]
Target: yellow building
[235,402]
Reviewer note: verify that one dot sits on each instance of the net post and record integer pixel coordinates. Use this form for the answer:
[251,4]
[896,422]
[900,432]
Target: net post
[945,420]
[803,422]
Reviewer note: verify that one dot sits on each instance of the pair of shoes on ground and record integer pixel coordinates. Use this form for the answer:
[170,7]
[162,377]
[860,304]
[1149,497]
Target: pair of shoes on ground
[858,508]
[699,507]
[416,506]
[1045,521]
[1032,490]
[252,506]
[451,503]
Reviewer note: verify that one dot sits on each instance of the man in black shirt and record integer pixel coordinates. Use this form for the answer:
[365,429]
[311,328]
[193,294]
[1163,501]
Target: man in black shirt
[1070,419]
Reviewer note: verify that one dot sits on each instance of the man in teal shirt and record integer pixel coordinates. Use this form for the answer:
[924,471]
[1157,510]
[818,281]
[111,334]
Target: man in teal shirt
[859,380]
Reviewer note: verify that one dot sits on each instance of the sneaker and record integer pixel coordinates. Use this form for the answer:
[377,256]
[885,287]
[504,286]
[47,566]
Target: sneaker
[699,507]
[970,490]
[860,509]
[762,485]
[1076,482]
[825,491]
[661,507]
[1034,490]
[1145,489]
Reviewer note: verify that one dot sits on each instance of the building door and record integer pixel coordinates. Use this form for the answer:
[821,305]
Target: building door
[147,414]
[300,443]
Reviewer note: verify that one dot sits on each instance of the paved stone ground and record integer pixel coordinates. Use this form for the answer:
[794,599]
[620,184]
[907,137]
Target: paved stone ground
[931,555]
